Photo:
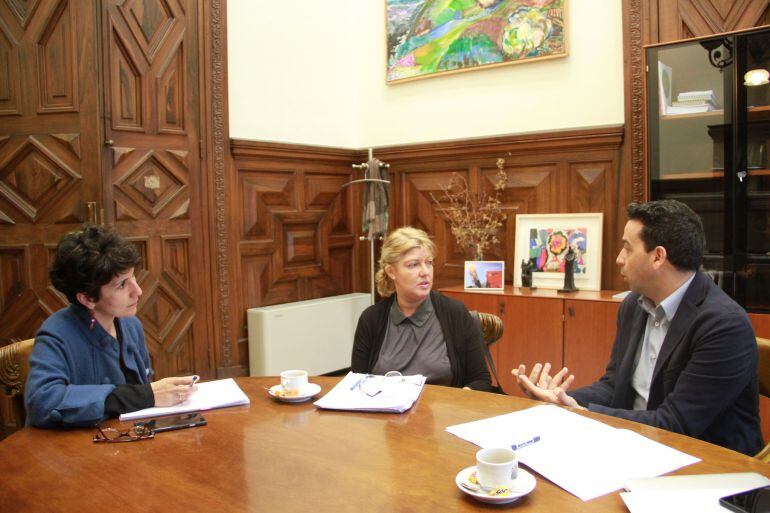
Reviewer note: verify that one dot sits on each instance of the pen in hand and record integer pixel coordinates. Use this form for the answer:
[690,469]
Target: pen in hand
[195,379]
[531,441]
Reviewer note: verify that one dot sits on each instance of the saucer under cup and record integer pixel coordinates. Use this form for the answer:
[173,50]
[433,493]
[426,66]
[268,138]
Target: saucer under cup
[521,486]
[305,393]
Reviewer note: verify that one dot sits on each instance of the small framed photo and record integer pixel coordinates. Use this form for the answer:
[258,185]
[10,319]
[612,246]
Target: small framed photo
[484,276]
[543,241]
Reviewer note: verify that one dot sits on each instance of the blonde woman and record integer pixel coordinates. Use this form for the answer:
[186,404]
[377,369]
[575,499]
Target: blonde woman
[415,330]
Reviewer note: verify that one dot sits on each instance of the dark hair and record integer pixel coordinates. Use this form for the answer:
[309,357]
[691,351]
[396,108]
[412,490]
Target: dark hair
[89,258]
[673,225]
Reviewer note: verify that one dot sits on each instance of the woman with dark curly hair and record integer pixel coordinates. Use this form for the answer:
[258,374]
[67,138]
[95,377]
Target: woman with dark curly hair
[90,361]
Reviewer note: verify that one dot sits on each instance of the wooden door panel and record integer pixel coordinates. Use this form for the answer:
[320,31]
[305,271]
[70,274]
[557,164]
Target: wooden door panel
[57,62]
[10,75]
[48,148]
[153,181]
[533,333]
[589,332]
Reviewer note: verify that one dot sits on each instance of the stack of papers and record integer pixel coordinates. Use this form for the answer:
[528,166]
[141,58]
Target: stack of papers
[583,456]
[210,395]
[693,101]
[367,392]
[699,493]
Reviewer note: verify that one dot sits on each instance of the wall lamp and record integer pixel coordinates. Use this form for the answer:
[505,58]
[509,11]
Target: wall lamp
[756,77]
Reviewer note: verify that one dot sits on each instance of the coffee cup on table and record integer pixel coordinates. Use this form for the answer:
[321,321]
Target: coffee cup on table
[496,467]
[293,381]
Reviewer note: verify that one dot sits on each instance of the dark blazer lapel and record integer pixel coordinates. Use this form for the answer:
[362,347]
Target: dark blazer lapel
[626,366]
[683,319]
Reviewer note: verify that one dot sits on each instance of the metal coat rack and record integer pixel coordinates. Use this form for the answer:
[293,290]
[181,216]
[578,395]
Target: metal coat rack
[365,167]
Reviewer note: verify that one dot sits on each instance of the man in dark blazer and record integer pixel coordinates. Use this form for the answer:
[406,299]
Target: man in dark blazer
[685,356]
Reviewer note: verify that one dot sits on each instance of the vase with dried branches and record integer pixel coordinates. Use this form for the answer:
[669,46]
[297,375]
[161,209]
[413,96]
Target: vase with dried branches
[474,219]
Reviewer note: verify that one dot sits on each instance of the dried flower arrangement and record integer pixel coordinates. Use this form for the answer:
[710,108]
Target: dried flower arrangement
[474,221]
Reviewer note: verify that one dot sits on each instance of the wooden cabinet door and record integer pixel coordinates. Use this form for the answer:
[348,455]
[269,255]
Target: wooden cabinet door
[532,332]
[152,172]
[589,332]
[49,148]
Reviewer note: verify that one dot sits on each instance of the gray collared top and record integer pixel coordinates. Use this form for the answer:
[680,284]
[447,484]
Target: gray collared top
[415,345]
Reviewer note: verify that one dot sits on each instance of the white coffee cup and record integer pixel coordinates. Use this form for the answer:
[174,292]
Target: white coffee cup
[496,467]
[293,381]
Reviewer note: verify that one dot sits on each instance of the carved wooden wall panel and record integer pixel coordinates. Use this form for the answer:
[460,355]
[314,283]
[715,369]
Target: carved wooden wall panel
[49,151]
[297,228]
[292,237]
[551,173]
[57,63]
[153,180]
[683,19]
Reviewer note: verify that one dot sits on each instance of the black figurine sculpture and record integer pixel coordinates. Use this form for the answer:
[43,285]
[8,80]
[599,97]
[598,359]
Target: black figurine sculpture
[526,272]
[570,260]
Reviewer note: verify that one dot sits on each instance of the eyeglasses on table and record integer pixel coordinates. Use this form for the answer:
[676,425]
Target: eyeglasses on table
[372,385]
[112,435]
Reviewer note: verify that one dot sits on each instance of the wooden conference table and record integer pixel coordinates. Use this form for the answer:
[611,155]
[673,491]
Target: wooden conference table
[279,457]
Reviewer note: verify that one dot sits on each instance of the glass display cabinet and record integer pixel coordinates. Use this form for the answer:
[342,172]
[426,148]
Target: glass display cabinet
[708,131]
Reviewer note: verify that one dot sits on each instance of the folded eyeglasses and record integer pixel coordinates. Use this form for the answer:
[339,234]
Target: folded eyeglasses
[372,385]
[133,434]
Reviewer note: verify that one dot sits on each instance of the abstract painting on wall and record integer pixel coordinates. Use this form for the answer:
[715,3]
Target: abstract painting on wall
[543,241]
[429,37]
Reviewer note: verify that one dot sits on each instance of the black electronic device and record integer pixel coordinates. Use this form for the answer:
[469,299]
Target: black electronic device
[750,501]
[173,422]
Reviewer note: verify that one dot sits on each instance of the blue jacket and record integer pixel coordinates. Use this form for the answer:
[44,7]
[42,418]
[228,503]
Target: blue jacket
[72,369]
[704,383]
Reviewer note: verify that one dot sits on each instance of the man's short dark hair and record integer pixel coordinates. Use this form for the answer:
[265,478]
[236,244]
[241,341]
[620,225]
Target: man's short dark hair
[673,225]
[89,258]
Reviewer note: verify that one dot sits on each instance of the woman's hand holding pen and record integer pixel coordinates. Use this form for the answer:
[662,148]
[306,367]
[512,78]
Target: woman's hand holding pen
[172,391]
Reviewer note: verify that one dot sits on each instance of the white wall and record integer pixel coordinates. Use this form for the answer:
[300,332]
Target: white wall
[292,71]
[310,72]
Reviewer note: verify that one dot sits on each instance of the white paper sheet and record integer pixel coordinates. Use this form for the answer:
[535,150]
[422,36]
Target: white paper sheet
[677,501]
[210,395]
[676,494]
[584,456]
[364,392]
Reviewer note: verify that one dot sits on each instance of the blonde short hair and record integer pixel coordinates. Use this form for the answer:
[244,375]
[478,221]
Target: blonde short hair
[396,245]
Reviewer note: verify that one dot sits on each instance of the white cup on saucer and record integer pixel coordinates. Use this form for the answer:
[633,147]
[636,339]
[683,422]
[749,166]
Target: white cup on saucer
[496,467]
[293,381]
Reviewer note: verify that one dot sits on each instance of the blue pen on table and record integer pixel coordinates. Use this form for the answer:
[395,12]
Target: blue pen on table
[531,441]
[360,380]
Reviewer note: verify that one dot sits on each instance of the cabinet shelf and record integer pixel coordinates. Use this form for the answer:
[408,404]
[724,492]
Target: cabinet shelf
[707,175]
[760,113]
[690,115]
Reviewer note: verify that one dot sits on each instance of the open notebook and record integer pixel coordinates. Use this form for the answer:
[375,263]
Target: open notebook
[367,392]
[210,395]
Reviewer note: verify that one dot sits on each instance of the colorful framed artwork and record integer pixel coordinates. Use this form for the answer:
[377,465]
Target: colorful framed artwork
[543,240]
[484,276]
[431,37]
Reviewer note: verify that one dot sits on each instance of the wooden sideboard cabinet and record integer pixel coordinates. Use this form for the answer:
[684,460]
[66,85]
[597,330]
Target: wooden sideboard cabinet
[575,330]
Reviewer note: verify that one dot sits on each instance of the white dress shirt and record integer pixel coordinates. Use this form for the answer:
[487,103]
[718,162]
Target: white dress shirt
[658,321]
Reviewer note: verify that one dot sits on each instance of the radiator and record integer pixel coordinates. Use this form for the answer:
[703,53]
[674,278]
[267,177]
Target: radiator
[314,335]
